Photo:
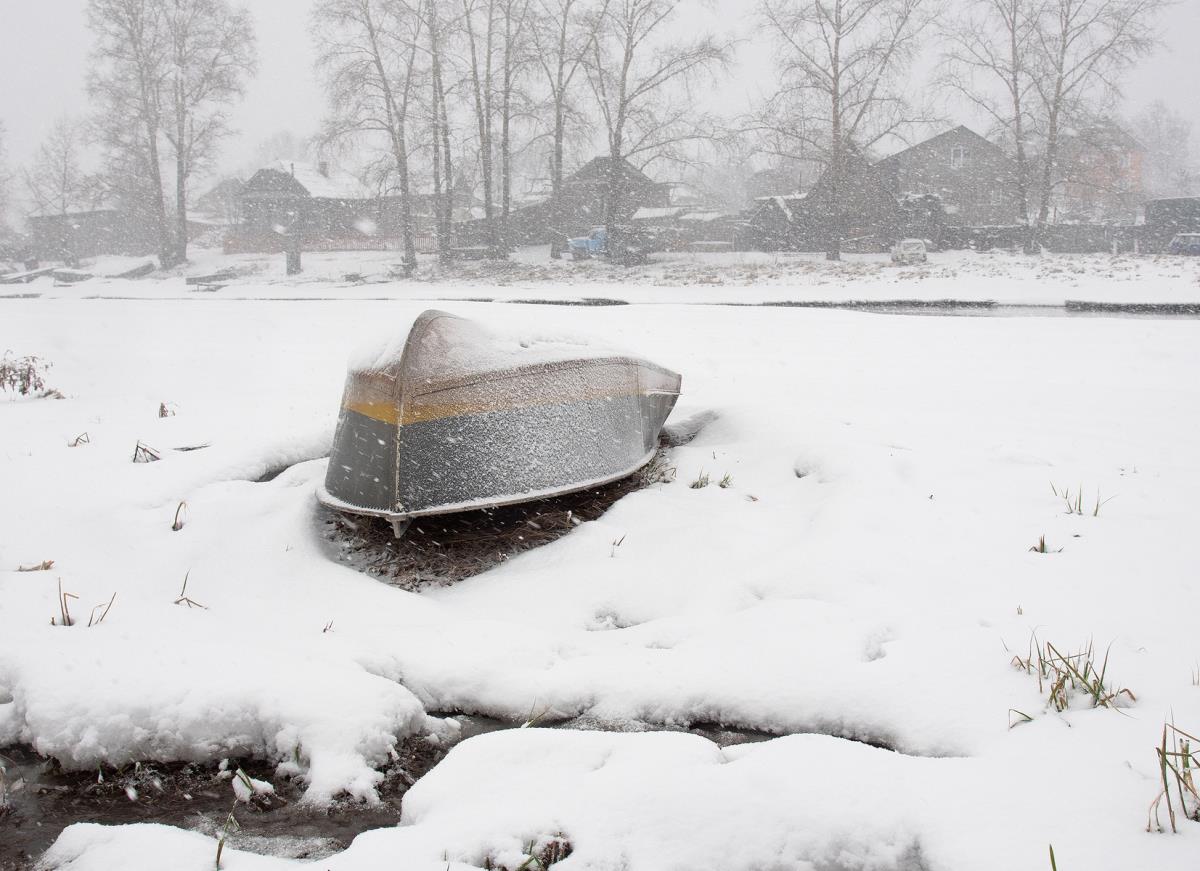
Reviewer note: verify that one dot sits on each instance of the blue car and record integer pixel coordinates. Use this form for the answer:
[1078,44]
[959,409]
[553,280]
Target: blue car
[1185,243]
[595,244]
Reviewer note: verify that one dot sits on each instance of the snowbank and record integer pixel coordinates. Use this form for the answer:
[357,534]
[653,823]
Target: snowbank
[866,574]
[672,801]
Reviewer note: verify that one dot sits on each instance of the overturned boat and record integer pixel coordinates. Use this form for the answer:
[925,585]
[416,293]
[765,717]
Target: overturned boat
[458,419]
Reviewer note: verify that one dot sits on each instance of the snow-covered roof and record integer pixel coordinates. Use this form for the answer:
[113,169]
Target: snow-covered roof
[701,217]
[654,214]
[106,206]
[335,185]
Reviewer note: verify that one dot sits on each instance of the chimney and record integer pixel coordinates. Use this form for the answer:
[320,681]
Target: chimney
[293,170]
[323,168]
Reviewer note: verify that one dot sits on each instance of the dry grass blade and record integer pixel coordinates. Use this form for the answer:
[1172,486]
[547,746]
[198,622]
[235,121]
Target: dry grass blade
[64,609]
[231,825]
[180,513]
[1177,763]
[24,375]
[92,621]
[145,454]
[81,439]
[44,566]
[183,597]
[1071,674]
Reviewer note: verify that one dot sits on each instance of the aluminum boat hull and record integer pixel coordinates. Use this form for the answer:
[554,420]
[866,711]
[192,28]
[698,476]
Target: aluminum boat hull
[450,426]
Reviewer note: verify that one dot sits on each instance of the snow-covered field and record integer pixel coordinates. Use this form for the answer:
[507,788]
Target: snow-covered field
[866,577]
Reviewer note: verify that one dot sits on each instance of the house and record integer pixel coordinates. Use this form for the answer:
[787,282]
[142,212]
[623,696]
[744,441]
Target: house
[861,210]
[89,232]
[975,179]
[1165,219]
[580,204]
[325,209]
[221,204]
[1102,170]
[685,227]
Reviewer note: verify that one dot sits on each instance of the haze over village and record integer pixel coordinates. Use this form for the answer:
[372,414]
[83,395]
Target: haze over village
[729,120]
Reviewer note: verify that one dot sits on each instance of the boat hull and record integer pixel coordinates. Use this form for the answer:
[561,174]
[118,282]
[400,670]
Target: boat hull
[439,443]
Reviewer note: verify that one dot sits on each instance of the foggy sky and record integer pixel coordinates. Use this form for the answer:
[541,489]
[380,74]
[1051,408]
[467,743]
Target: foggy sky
[44,62]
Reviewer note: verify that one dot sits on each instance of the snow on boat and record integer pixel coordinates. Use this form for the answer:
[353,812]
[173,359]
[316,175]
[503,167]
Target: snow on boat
[459,419]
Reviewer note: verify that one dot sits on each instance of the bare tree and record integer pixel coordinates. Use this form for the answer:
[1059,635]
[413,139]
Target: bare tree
[127,83]
[5,183]
[841,66]
[989,62]
[562,33]
[1082,45]
[640,77]
[55,181]
[1171,168]
[439,128]
[515,56]
[483,26]
[369,51]
[211,54]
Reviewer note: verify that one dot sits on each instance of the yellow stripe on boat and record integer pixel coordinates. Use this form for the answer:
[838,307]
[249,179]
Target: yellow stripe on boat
[387,412]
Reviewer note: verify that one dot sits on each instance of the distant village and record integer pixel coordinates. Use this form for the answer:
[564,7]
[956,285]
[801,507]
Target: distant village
[469,132]
[956,190]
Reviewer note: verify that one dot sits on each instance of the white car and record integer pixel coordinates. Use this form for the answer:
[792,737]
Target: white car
[910,251]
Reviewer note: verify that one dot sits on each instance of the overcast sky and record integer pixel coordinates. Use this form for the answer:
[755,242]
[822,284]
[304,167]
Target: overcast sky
[45,45]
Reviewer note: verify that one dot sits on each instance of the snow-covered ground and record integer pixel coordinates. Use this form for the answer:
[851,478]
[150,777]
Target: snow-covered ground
[866,577]
[739,278]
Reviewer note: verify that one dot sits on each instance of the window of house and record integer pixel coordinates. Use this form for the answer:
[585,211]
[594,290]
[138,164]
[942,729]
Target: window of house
[958,156]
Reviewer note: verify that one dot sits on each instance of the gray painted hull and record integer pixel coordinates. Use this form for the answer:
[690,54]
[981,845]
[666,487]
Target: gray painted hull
[415,441]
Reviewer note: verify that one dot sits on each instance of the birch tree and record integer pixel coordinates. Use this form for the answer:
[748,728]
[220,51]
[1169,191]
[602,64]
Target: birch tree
[369,54]
[562,34]
[55,181]
[211,53]
[989,62]
[514,57]
[479,26]
[1171,167]
[5,183]
[1081,48]
[127,82]
[439,129]
[842,66]
[640,78]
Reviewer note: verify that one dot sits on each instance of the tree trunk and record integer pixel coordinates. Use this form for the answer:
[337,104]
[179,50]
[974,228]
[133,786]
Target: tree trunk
[833,250]
[1049,160]
[443,170]
[181,172]
[166,255]
[482,89]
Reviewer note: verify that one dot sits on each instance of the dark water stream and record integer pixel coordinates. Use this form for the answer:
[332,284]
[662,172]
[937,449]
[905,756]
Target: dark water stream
[43,800]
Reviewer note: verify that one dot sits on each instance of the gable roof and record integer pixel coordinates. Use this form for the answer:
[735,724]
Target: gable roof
[959,132]
[306,179]
[597,168]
